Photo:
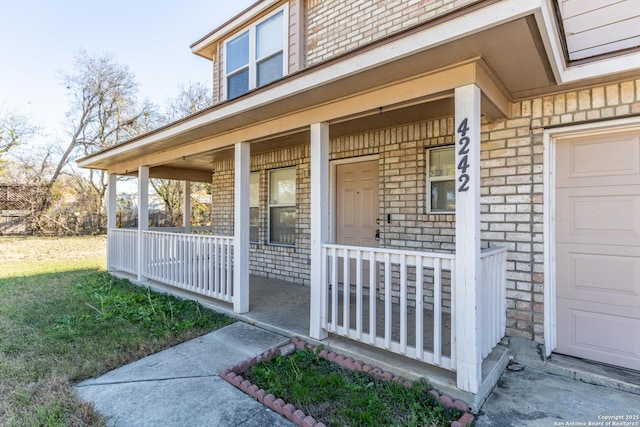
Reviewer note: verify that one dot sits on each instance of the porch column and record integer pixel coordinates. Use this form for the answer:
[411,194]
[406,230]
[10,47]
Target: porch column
[467,263]
[241,229]
[186,207]
[112,180]
[143,216]
[319,224]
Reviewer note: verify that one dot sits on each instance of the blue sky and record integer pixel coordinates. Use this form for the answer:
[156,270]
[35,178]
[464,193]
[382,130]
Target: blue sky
[39,38]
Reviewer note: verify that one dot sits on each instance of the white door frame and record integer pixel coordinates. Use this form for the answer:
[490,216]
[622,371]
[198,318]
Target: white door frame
[550,138]
[332,187]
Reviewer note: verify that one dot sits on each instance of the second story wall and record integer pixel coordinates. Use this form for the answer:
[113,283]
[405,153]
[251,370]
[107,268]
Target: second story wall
[335,27]
[318,30]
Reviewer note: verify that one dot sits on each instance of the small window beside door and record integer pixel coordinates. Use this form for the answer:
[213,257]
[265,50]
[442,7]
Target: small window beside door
[254,207]
[282,206]
[441,179]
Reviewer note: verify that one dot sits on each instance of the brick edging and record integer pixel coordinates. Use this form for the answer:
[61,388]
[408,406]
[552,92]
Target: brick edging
[290,412]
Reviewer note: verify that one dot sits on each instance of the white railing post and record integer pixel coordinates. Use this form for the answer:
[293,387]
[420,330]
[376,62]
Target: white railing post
[468,266]
[186,207]
[241,229]
[112,181]
[493,309]
[319,225]
[143,216]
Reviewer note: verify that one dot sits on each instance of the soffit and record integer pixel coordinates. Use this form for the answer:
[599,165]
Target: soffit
[382,120]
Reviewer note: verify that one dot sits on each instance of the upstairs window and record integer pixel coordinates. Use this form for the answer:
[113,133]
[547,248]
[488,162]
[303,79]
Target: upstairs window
[257,56]
[441,180]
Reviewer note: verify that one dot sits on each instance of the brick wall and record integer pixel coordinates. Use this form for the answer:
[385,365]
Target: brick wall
[338,26]
[511,189]
[222,198]
[289,263]
[402,158]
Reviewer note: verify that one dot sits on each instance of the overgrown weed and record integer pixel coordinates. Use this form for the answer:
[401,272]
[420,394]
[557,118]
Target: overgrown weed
[340,397]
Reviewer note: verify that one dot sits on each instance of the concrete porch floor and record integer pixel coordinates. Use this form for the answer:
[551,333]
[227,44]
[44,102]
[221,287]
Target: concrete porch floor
[283,307]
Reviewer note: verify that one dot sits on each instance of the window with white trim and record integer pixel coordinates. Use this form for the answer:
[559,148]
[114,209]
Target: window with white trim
[254,207]
[258,56]
[282,206]
[441,180]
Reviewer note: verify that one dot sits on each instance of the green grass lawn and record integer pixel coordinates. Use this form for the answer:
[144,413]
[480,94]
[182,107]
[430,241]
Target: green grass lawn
[63,319]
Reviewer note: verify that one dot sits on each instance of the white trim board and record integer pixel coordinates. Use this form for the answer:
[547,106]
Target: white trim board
[232,25]
[550,137]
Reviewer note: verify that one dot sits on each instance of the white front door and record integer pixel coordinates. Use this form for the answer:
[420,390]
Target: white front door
[357,206]
[598,248]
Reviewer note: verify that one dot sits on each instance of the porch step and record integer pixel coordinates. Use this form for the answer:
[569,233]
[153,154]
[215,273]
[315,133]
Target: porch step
[529,354]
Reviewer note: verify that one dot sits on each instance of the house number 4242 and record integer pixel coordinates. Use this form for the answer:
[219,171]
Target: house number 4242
[463,152]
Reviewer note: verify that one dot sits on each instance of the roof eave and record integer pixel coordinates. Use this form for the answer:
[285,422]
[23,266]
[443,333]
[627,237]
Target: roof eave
[204,46]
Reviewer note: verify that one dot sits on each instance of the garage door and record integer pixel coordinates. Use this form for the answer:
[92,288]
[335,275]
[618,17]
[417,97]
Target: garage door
[598,248]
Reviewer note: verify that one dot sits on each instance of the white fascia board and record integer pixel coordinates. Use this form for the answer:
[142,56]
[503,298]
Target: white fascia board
[550,34]
[470,23]
[615,65]
[234,24]
[563,73]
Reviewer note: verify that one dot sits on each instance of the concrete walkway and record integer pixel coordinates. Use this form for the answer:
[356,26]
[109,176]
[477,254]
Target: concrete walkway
[181,387]
[534,398]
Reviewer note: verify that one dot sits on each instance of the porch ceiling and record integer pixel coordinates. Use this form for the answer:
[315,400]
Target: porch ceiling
[383,119]
[512,56]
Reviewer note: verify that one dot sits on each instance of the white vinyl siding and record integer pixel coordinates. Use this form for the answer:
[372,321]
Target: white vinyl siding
[600,27]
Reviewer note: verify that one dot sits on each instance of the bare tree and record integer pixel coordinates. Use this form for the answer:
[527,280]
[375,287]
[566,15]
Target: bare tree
[104,112]
[170,191]
[192,97]
[15,129]
[29,164]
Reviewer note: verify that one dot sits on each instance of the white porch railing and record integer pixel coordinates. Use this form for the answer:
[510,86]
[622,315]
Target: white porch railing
[192,230]
[201,264]
[493,298]
[123,242]
[398,301]
[391,276]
